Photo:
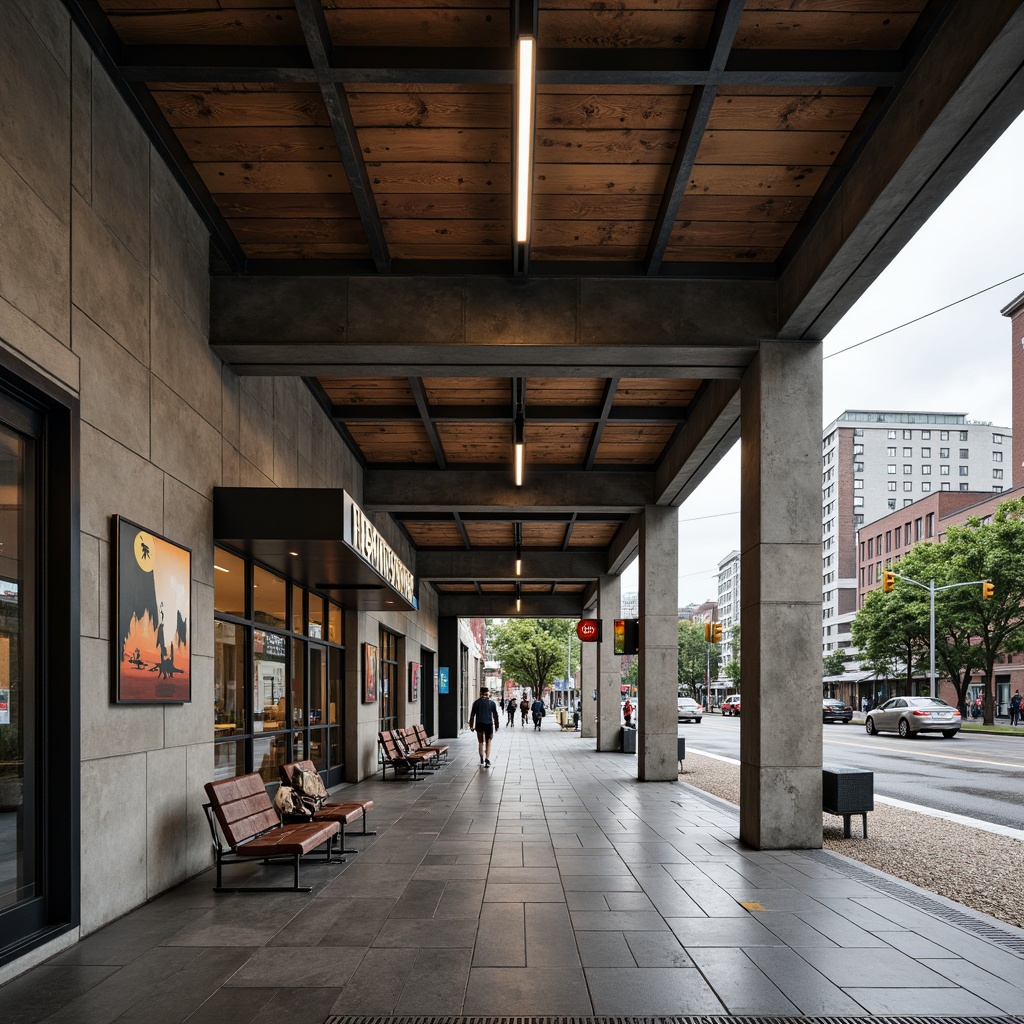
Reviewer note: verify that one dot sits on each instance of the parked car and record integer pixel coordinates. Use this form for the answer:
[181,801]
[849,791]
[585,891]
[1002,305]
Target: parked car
[910,715]
[689,710]
[731,704]
[833,710]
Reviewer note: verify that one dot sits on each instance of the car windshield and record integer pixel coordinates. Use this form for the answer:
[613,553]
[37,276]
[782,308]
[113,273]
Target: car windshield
[927,702]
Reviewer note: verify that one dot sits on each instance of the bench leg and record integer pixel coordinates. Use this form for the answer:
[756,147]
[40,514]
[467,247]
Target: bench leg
[364,832]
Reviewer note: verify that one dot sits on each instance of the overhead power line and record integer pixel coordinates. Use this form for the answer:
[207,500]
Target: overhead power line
[924,316]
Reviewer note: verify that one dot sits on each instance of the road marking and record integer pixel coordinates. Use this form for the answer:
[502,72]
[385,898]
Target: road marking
[921,753]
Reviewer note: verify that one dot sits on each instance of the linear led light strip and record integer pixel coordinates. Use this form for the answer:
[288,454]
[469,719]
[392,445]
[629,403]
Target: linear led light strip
[524,136]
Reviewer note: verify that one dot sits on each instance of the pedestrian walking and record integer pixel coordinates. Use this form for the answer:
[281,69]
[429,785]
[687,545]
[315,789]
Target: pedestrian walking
[538,712]
[1015,708]
[627,712]
[483,717]
[510,708]
[524,707]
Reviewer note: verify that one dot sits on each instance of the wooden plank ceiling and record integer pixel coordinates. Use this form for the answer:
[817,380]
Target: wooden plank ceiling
[672,138]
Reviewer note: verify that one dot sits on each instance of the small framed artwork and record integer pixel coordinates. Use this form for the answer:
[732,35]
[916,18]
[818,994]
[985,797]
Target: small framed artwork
[371,672]
[153,617]
[414,681]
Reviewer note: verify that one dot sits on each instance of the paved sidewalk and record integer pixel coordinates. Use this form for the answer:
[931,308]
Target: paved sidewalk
[553,883]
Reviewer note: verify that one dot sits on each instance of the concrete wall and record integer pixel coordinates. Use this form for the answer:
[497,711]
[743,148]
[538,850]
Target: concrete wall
[104,288]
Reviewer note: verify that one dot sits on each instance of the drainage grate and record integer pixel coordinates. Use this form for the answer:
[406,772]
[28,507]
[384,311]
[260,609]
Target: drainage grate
[1012,942]
[672,1020]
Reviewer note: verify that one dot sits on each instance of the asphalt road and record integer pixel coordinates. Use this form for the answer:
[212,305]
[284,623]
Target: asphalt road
[977,775]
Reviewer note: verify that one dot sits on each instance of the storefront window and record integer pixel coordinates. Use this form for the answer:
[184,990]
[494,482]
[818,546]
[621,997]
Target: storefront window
[316,617]
[268,598]
[388,680]
[229,674]
[270,703]
[334,633]
[298,619]
[228,584]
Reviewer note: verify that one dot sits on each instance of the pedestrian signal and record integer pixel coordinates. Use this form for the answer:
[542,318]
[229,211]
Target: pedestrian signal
[888,581]
[987,590]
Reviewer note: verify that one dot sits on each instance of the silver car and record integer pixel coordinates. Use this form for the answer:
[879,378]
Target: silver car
[689,710]
[911,715]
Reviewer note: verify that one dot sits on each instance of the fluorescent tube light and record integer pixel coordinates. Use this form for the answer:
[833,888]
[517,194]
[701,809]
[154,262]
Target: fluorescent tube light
[524,136]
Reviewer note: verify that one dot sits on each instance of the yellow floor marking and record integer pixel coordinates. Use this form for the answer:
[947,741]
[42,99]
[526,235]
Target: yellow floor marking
[751,906]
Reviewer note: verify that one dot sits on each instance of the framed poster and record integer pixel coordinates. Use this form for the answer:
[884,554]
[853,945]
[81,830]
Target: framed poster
[153,617]
[371,671]
[414,681]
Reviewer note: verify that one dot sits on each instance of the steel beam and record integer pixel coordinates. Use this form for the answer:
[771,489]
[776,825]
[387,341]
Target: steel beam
[493,606]
[499,564]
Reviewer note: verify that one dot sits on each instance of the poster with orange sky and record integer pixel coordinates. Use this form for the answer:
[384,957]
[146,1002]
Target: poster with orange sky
[153,641]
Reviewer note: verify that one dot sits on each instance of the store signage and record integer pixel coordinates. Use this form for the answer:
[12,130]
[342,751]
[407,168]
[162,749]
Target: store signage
[442,679]
[589,630]
[362,536]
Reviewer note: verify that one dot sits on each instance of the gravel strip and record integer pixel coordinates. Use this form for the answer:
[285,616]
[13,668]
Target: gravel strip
[975,868]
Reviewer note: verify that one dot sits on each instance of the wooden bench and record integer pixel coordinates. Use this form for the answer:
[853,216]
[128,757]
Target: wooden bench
[344,812]
[414,766]
[253,831]
[409,743]
[425,744]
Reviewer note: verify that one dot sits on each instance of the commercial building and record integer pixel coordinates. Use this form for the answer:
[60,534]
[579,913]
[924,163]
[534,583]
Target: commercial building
[728,610]
[875,462]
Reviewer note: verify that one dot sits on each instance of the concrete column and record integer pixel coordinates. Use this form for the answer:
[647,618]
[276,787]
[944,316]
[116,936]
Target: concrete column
[609,669]
[780,548]
[658,678]
[449,717]
[362,721]
[591,656]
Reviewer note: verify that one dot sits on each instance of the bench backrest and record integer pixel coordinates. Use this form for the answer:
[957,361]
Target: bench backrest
[242,807]
[390,746]
[288,771]
[421,734]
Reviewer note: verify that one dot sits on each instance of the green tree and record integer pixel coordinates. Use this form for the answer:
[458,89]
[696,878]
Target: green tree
[832,664]
[990,551]
[531,651]
[692,654]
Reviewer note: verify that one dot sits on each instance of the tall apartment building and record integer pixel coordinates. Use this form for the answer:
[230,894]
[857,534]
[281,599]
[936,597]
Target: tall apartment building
[728,606]
[874,463]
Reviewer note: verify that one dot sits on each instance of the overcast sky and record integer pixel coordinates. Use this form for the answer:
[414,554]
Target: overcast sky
[954,361]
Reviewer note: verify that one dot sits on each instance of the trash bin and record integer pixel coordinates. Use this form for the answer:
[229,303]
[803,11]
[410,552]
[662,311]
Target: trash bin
[628,740]
[681,749]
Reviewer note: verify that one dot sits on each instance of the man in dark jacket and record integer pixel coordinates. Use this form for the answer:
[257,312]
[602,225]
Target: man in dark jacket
[483,717]
[538,712]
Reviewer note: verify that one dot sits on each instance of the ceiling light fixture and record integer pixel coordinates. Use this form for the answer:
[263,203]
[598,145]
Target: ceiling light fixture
[519,597]
[524,134]
[519,440]
[518,531]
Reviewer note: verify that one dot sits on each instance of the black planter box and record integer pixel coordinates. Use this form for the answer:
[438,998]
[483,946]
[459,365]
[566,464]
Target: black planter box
[847,791]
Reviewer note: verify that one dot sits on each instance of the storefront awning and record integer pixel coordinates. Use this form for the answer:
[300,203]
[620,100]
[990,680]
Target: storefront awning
[319,538]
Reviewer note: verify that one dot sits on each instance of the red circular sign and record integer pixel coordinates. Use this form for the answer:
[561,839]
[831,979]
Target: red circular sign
[586,629]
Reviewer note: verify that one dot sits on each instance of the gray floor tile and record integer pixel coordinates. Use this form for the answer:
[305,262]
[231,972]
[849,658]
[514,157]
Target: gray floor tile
[550,940]
[233,1006]
[657,949]
[37,995]
[520,991]
[334,922]
[600,883]
[590,900]
[737,932]
[617,921]
[297,1006]
[739,983]
[436,984]
[1005,993]
[917,946]
[599,864]
[808,989]
[376,984]
[604,949]
[419,900]
[953,1002]
[501,939]
[399,933]
[499,892]
[841,931]
[872,968]
[303,967]
[793,931]
[649,991]
[629,901]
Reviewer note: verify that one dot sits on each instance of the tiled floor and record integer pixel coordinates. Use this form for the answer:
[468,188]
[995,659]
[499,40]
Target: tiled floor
[552,883]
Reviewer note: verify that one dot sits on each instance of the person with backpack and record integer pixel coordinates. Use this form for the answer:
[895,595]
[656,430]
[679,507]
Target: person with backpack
[524,706]
[483,717]
[538,712]
[511,709]
[1015,702]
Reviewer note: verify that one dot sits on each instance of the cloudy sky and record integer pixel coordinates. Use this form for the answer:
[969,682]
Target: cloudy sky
[954,361]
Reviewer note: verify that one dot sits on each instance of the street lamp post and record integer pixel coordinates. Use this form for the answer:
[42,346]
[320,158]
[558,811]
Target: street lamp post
[932,591]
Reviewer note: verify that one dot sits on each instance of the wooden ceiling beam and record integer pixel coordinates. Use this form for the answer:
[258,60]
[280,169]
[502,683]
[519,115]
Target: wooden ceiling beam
[416,386]
[720,40]
[604,413]
[426,65]
[510,517]
[492,606]
[318,41]
[597,414]
[492,564]
[409,491]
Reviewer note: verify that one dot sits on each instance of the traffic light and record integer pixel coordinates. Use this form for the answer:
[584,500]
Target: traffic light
[716,632]
[707,632]
[987,590]
[888,581]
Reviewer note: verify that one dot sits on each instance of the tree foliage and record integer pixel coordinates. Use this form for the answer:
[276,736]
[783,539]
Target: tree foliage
[532,652]
[693,655]
[891,631]
[832,664]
